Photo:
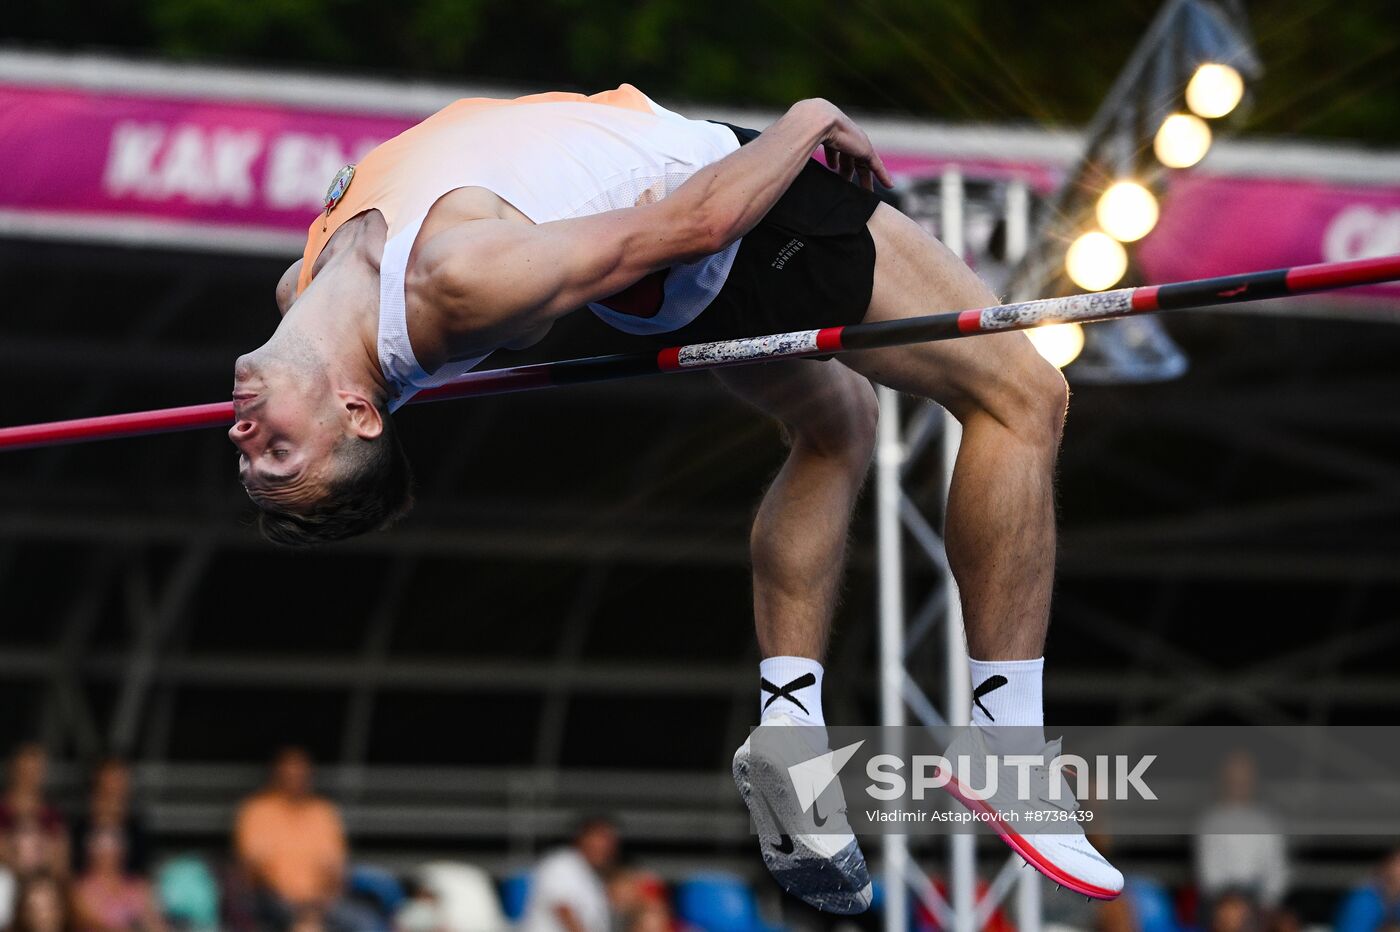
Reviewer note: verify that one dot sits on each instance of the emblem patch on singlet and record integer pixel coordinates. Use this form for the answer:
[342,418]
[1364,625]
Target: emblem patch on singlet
[339,185]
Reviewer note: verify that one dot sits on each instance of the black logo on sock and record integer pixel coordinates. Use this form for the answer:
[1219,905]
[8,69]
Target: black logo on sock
[990,684]
[786,692]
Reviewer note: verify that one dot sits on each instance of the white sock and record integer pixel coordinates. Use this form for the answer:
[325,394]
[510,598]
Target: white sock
[792,685]
[1008,693]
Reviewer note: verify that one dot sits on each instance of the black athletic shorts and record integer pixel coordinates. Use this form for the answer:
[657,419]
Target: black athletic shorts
[809,263]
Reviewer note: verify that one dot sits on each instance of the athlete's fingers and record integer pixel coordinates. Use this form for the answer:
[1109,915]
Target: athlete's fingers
[881,171]
[867,180]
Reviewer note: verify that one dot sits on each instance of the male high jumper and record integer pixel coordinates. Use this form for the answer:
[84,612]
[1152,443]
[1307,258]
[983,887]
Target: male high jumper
[478,228]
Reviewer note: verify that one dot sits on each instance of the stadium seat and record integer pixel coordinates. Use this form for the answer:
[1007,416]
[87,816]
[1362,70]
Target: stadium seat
[719,903]
[188,893]
[1152,906]
[515,890]
[466,897]
[378,887]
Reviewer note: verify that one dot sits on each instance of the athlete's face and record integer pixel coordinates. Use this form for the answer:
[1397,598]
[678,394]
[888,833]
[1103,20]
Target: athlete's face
[286,430]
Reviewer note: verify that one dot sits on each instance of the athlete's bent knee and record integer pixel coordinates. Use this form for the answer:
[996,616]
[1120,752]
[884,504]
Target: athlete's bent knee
[1039,401]
[842,423]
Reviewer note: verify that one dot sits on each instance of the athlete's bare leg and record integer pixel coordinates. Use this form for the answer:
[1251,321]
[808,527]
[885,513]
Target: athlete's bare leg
[1000,528]
[1011,403]
[828,415]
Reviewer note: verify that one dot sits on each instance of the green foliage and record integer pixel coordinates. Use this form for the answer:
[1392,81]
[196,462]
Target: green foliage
[1333,66]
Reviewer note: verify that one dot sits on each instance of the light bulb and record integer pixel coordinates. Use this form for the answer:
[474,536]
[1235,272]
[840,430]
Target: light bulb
[1058,343]
[1096,261]
[1182,140]
[1127,211]
[1214,90]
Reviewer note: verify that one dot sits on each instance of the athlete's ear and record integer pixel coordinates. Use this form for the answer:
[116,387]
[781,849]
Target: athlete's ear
[361,415]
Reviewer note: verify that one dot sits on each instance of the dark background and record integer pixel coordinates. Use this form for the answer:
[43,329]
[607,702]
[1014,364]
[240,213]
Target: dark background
[1333,66]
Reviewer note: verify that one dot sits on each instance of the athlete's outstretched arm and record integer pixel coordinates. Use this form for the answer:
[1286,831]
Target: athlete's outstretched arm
[490,280]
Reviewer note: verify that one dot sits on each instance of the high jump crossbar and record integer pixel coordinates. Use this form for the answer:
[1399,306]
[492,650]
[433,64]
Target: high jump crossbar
[951,325]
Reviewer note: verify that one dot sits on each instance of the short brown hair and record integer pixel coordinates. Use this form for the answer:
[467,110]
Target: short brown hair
[372,490]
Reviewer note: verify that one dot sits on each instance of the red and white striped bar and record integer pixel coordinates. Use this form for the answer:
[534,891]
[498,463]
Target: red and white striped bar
[1085,308]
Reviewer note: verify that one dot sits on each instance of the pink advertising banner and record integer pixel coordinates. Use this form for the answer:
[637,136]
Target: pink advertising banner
[1219,226]
[218,166]
[250,165]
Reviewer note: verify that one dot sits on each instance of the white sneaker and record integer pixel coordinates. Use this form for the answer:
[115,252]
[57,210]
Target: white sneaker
[1065,856]
[823,869]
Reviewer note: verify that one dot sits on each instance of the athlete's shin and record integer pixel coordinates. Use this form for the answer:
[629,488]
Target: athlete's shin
[798,546]
[1000,527]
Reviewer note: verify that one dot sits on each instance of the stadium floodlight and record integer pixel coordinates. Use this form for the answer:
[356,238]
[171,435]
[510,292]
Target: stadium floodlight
[1214,90]
[1096,261]
[1127,211]
[1217,45]
[1061,344]
[1182,140]
[1195,62]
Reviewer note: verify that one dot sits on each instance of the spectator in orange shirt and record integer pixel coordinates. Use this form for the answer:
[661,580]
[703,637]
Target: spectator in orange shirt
[292,844]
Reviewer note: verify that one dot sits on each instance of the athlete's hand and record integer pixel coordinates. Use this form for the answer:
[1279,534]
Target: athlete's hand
[849,152]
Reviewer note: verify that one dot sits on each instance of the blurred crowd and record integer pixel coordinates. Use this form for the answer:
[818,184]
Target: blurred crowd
[86,870]
[1242,878]
[93,870]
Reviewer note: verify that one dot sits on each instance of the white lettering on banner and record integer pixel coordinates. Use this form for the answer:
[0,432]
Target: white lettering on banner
[234,155]
[299,166]
[131,158]
[1362,232]
[185,166]
[154,162]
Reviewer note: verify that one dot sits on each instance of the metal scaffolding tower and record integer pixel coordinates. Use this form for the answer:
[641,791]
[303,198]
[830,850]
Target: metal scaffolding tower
[930,433]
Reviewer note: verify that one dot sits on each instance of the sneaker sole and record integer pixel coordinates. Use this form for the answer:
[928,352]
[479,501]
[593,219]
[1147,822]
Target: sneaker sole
[1027,851]
[839,884]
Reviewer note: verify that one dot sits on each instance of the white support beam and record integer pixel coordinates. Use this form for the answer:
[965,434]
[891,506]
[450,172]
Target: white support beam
[889,461]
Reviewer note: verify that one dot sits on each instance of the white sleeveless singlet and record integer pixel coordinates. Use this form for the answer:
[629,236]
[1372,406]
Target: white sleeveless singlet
[552,157]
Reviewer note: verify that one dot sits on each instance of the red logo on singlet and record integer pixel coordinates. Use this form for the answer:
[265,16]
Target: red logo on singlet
[642,298]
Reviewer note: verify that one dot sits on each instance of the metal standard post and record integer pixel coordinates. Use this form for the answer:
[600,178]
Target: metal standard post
[962,885]
[1028,907]
[962,873]
[899,449]
[889,458]
[1018,221]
